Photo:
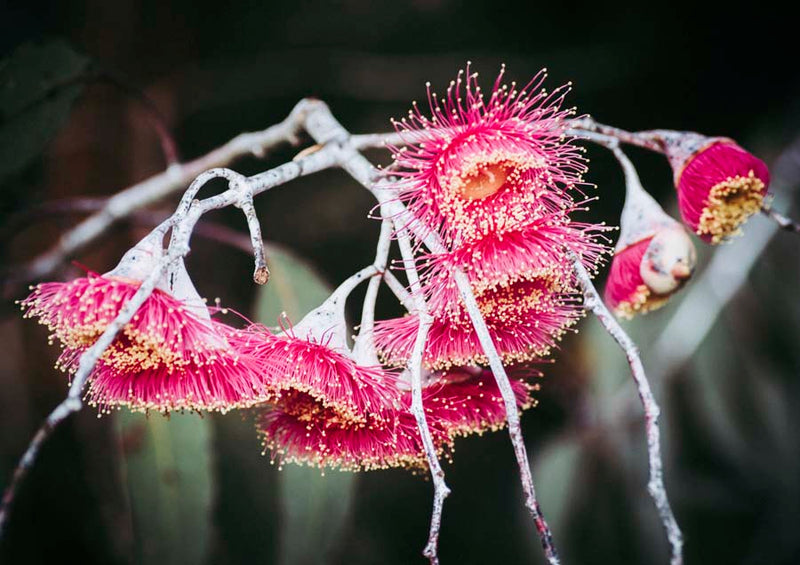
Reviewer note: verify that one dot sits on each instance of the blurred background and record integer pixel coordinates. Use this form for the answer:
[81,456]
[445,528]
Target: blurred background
[722,355]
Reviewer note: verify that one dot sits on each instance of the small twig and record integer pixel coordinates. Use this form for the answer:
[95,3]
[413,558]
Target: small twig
[365,342]
[784,222]
[94,73]
[440,488]
[327,131]
[587,125]
[261,270]
[655,485]
[512,415]
[399,291]
[152,190]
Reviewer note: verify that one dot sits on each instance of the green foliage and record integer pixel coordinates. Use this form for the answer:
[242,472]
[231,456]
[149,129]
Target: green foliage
[168,474]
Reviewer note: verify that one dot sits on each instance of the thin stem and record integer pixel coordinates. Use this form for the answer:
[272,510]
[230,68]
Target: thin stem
[261,270]
[152,190]
[365,342]
[784,222]
[399,291]
[655,485]
[440,488]
[512,415]
[168,145]
[327,131]
[584,126]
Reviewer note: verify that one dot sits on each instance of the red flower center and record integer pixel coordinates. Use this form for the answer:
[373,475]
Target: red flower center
[487,181]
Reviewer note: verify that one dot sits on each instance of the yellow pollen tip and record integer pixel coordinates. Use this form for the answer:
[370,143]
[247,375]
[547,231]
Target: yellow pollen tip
[730,203]
[641,301]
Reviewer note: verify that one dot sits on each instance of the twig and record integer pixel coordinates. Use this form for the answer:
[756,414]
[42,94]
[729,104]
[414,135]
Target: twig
[784,222]
[512,415]
[261,270]
[153,189]
[326,130]
[94,72]
[168,145]
[655,485]
[364,349]
[440,488]
[399,291]
[587,125]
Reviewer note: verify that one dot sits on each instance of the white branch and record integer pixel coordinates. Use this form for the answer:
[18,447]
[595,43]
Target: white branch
[364,350]
[399,291]
[512,414]
[655,485]
[325,129]
[158,187]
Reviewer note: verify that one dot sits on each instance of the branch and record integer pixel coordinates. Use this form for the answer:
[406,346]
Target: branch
[512,415]
[440,488]
[582,127]
[153,189]
[364,350]
[655,485]
[327,131]
[399,291]
[784,222]
[165,137]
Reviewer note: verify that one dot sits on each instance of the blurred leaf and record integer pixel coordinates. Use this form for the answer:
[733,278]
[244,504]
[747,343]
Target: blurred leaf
[315,506]
[167,466]
[38,84]
[557,478]
[294,288]
[315,510]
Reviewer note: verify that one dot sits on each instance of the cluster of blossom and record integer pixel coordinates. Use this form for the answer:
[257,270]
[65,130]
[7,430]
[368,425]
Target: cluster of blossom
[497,178]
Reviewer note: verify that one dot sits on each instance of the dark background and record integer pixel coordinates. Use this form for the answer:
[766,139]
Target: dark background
[215,69]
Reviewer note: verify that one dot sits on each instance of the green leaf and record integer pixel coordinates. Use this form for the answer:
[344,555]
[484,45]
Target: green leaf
[315,513]
[294,287]
[167,470]
[38,85]
[558,478]
[315,506]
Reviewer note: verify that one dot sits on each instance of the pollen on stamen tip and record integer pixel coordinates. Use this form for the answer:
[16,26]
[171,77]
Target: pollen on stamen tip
[466,400]
[526,318]
[310,378]
[484,168]
[165,358]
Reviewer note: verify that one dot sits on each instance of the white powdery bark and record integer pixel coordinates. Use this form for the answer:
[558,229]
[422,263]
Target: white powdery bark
[655,485]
